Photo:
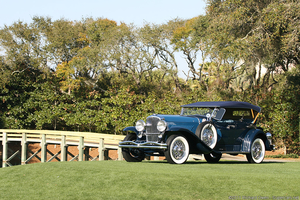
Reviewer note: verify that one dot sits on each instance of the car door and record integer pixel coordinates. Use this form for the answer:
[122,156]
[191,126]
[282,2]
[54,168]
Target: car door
[233,127]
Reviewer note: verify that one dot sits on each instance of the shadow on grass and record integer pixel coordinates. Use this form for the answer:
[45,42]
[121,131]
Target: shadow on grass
[221,162]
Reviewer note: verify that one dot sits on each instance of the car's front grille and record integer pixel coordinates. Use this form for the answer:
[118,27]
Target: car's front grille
[151,129]
[152,137]
[151,124]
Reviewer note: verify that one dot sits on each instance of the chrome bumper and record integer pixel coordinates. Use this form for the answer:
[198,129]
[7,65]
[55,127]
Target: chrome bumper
[144,145]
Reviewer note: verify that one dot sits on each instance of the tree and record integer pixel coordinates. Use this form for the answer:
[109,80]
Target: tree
[62,38]
[259,34]
[130,56]
[186,41]
[15,95]
[158,38]
[48,105]
[281,112]
[23,49]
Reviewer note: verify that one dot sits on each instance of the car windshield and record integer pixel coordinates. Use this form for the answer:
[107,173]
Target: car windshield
[216,113]
[196,111]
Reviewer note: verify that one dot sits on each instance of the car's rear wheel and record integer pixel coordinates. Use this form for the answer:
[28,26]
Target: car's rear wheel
[212,157]
[257,151]
[178,149]
[132,154]
[207,133]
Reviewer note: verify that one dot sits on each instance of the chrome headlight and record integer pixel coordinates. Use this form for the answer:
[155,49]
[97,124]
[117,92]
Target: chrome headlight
[140,125]
[161,125]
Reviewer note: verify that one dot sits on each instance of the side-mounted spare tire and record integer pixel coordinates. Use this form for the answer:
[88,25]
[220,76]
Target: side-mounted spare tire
[132,154]
[207,133]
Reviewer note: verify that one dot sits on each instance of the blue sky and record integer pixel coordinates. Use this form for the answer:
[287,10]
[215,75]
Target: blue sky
[128,11]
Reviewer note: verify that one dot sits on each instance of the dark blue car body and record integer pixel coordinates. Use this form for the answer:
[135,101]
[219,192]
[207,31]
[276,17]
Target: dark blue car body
[209,128]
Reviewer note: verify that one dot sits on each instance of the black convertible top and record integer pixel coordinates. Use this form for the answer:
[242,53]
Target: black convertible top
[224,104]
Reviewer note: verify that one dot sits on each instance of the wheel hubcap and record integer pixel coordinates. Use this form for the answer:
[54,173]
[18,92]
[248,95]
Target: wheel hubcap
[178,150]
[257,150]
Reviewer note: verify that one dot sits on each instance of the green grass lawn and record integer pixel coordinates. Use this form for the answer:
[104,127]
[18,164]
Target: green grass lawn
[150,180]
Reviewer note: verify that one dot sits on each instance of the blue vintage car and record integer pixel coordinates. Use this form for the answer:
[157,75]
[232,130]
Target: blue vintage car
[209,128]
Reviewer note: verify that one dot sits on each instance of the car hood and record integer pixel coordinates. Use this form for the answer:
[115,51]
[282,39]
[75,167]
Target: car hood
[187,122]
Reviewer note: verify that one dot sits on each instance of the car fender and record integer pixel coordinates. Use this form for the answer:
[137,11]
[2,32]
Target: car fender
[250,136]
[194,141]
[131,128]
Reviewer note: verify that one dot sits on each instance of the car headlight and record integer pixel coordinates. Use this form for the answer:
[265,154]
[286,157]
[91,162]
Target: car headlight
[161,125]
[140,125]
[269,137]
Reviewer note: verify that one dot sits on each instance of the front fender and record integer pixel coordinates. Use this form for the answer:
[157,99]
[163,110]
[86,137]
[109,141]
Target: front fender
[196,145]
[131,128]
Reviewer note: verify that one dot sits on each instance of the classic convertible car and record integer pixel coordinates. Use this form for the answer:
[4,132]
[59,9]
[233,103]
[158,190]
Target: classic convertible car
[209,128]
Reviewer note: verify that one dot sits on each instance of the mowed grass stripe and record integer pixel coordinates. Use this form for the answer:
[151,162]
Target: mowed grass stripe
[149,180]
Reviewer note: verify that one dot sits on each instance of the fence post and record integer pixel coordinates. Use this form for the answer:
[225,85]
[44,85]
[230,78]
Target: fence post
[63,148]
[24,149]
[80,147]
[4,152]
[44,149]
[101,149]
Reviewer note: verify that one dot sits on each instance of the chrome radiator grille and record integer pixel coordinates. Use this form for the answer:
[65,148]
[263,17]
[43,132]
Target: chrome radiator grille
[151,126]
[152,138]
[151,129]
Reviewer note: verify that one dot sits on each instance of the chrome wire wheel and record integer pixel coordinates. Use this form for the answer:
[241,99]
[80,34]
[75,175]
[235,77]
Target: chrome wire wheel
[257,151]
[178,149]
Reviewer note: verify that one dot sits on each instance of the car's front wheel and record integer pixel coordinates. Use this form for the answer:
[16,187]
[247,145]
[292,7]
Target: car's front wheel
[257,151]
[212,157]
[132,154]
[178,149]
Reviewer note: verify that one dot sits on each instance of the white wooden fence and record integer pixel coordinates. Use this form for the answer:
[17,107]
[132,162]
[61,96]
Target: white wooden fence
[83,140]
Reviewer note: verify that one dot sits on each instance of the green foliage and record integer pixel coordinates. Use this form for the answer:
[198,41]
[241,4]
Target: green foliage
[283,156]
[283,118]
[15,93]
[47,105]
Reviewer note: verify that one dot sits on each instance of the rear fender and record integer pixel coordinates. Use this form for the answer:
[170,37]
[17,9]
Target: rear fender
[250,136]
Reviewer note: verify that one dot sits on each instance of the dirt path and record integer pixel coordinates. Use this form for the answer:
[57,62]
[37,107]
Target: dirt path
[243,158]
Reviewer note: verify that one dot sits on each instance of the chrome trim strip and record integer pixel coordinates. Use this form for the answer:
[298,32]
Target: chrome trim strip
[145,145]
[269,137]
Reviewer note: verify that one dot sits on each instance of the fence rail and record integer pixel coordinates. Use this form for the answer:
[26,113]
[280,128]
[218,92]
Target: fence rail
[83,140]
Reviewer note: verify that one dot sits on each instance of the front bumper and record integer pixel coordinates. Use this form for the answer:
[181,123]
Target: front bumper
[144,145]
